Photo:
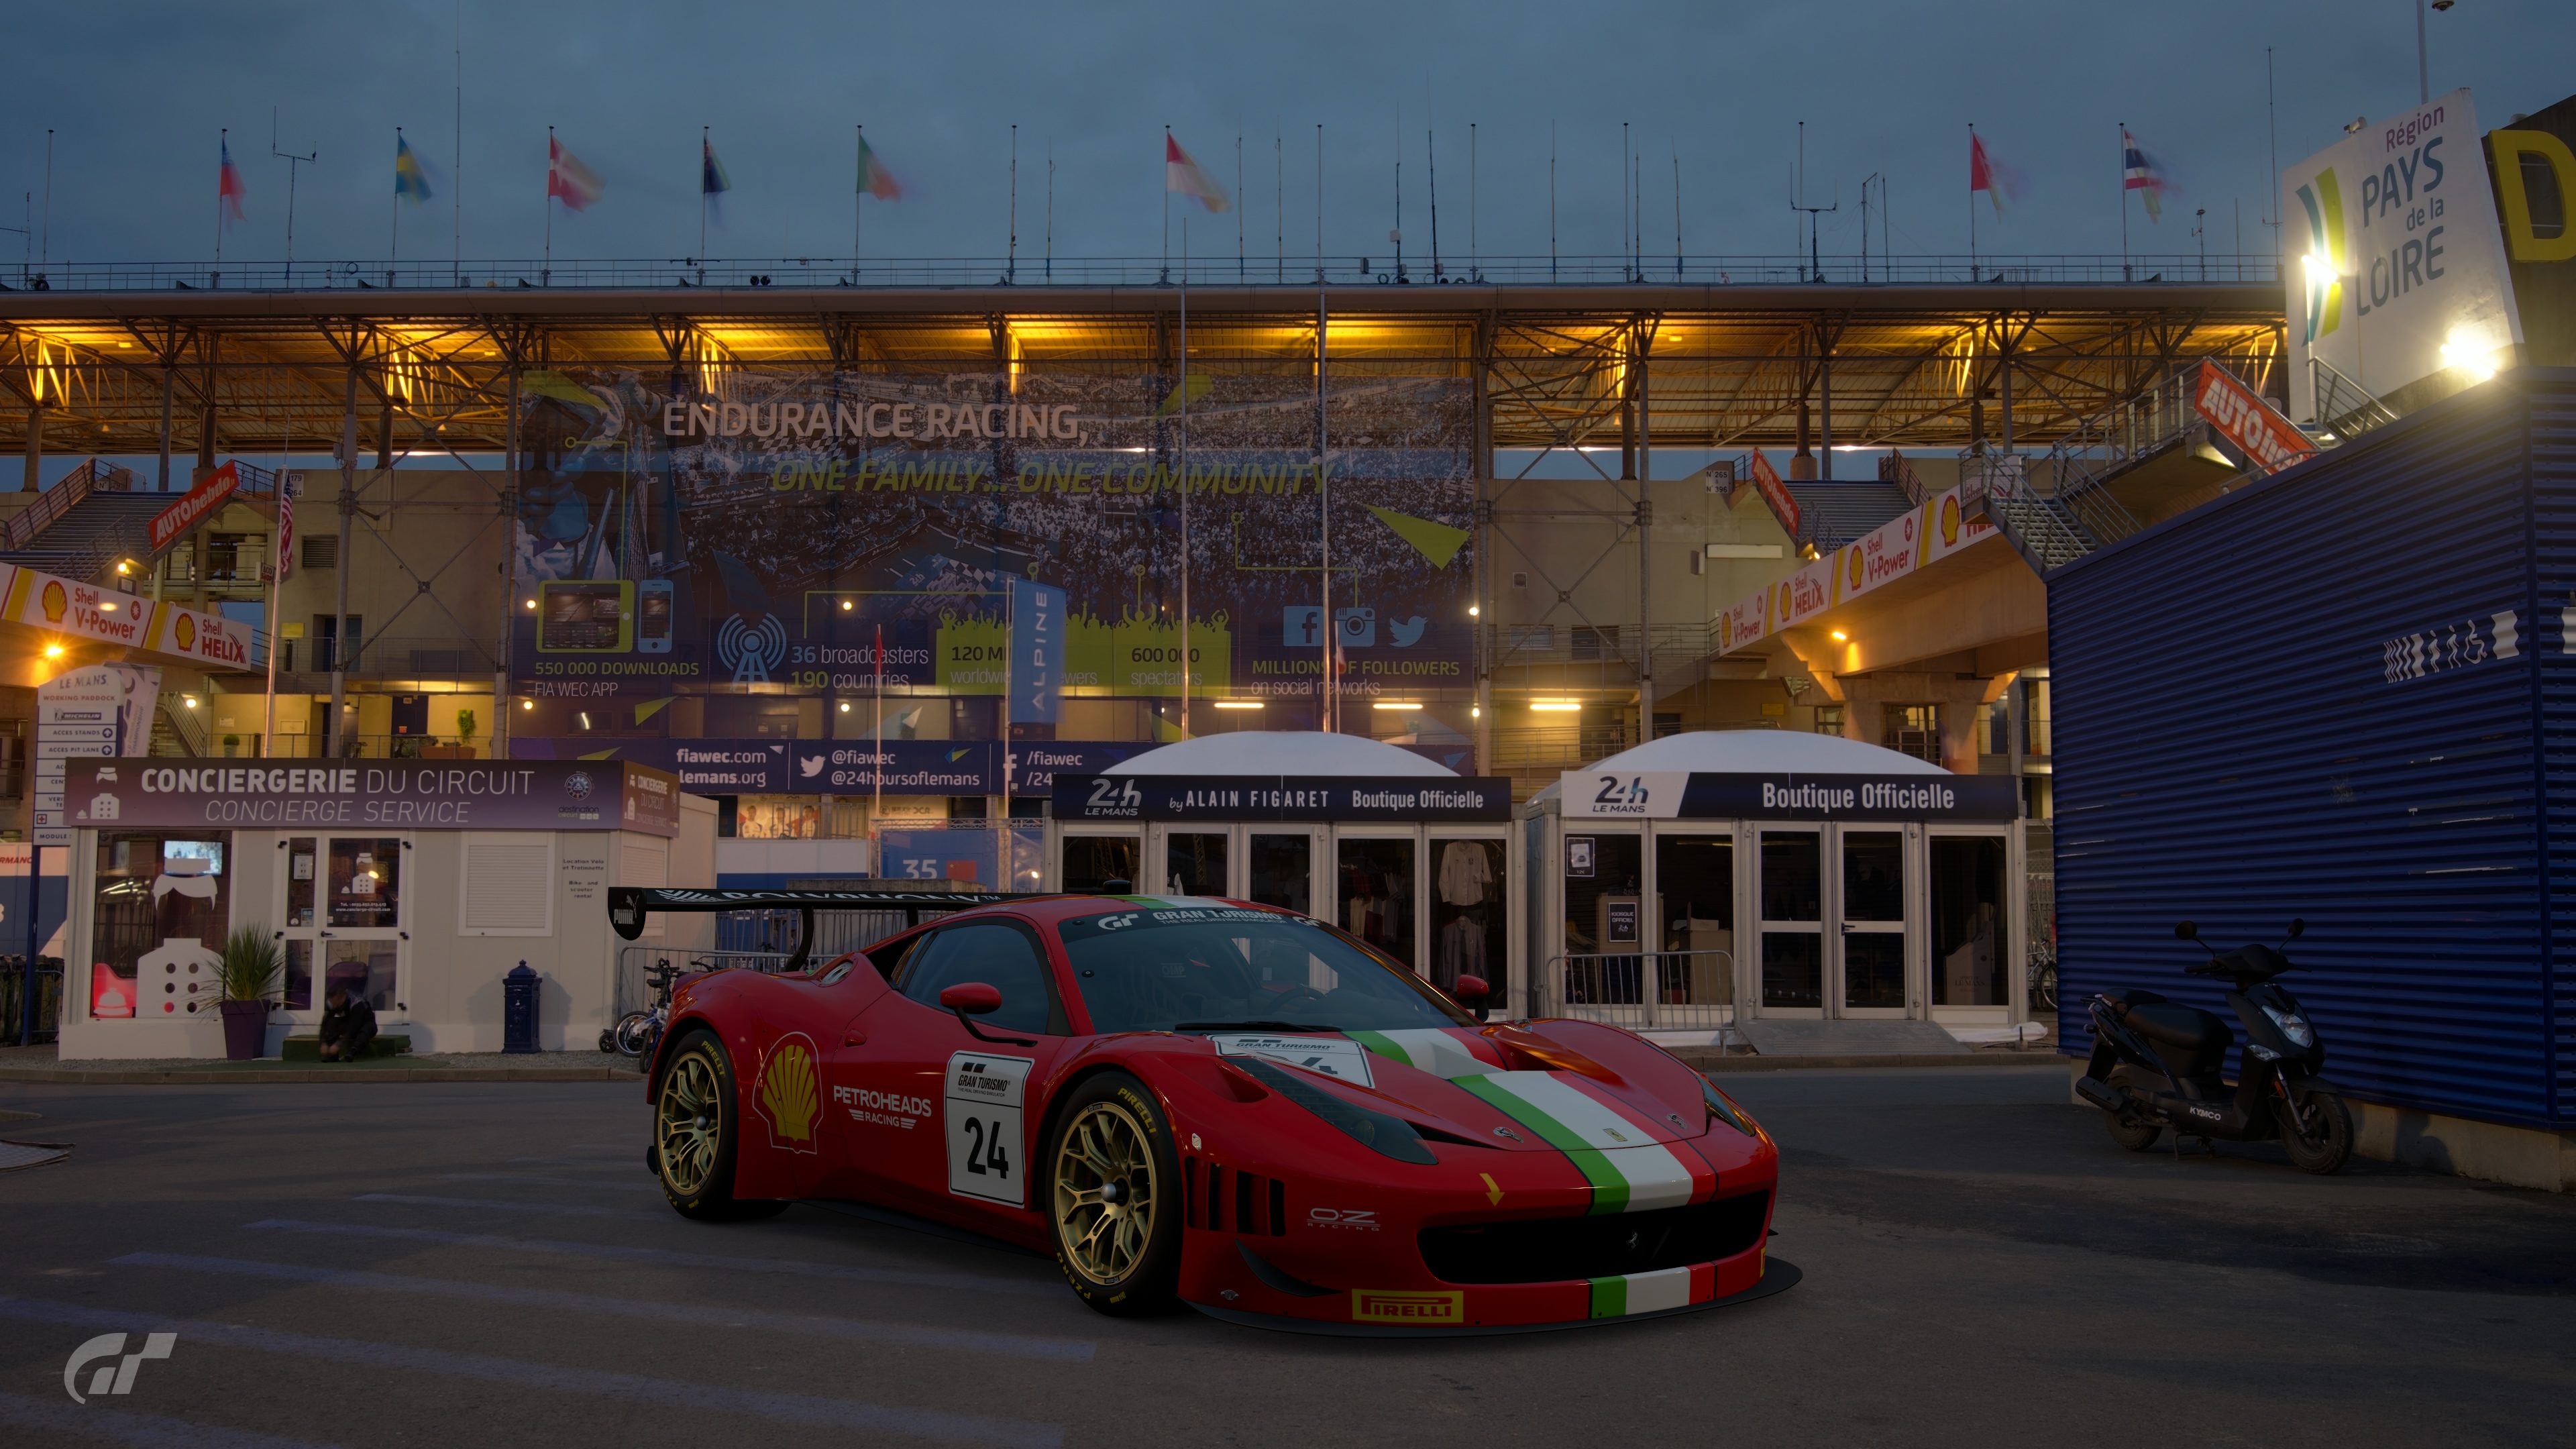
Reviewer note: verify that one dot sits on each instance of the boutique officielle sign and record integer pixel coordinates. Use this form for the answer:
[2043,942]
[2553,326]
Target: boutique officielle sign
[496,795]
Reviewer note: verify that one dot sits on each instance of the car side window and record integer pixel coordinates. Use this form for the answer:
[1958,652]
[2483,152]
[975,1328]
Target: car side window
[890,960]
[997,953]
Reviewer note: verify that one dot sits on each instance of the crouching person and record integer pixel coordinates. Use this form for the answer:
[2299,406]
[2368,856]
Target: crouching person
[348,1026]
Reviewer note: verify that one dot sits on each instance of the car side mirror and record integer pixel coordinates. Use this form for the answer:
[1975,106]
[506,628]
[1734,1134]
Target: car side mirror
[1471,988]
[2185,930]
[2298,928]
[971,998]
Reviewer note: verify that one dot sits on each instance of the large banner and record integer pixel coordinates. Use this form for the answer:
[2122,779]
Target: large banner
[755,529]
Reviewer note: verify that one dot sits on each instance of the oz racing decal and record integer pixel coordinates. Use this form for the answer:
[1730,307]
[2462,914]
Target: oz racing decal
[984,1106]
[786,1096]
[1333,1056]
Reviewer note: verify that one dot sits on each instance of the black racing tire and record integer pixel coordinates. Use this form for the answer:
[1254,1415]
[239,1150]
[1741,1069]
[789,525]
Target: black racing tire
[2327,1147]
[1114,1264]
[697,1130]
[2130,1132]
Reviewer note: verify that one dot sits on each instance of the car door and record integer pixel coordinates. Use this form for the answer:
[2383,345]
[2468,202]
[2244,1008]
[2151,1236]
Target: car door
[950,1113]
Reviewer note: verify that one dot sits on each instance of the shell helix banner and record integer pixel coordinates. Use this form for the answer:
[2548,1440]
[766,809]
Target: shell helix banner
[751,529]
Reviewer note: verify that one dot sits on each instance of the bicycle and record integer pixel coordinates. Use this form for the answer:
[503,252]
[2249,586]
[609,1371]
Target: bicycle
[2043,977]
[638,1032]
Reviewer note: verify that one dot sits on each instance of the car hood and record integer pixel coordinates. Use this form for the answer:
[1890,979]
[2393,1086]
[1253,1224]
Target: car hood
[1520,1087]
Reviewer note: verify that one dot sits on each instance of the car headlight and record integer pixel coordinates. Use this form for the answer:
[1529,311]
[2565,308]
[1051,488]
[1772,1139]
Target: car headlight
[1379,1132]
[2293,1026]
[1720,1109]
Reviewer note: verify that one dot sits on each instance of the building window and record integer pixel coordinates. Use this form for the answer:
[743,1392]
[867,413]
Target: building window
[1829,719]
[321,550]
[1914,729]
[778,817]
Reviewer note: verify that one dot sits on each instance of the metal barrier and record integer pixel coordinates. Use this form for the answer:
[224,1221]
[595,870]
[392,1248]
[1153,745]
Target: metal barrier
[13,997]
[761,941]
[1646,991]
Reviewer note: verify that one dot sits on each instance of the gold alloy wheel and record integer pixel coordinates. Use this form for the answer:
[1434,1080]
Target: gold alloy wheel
[690,1120]
[1104,1193]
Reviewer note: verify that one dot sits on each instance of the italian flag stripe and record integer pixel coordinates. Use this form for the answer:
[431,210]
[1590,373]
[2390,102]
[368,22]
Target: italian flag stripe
[1703,1284]
[1643,1292]
[1609,1185]
[1626,1175]
[1427,1049]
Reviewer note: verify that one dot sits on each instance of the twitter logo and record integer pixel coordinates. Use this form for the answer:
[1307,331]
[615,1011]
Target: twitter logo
[808,768]
[1406,632]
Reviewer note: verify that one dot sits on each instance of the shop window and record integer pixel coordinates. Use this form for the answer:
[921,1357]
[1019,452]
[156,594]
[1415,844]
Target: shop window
[1914,729]
[1378,895]
[1604,919]
[778,817]
[1100,862]
[1194,863]
[1829,719]
[161,906]
[1967,921]
[1470,934]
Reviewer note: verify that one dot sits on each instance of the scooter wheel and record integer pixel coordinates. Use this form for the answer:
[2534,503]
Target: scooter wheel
[2326,1142]
[2131,1133]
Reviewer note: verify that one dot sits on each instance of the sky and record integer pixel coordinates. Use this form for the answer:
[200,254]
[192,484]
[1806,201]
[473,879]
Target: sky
[1713,88]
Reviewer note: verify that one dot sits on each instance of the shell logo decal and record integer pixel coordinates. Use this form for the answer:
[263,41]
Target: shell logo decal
[1854,551]
[186,632]
[789,1098]
[55,602]
[1950,521]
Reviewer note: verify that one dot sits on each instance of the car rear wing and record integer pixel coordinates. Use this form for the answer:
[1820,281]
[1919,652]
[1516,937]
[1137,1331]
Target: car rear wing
[629,905]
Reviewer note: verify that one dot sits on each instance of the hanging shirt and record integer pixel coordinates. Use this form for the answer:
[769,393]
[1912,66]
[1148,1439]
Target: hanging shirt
[1465,873]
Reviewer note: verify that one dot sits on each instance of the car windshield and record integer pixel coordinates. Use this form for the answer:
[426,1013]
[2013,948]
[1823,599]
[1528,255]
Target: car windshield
[1209,968]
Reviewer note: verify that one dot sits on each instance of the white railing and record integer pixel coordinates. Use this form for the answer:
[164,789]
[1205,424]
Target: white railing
[1644,990]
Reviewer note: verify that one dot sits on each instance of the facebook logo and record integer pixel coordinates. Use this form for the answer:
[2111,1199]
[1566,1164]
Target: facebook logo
[1302,625]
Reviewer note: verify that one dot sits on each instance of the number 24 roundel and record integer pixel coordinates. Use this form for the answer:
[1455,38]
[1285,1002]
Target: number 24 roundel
[982,1110]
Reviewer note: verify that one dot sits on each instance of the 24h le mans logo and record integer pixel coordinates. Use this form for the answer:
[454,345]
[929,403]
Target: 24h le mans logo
[789,1097]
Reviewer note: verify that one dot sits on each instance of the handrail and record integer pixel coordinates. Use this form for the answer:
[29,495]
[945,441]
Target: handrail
[1722,270]
[189,729]
[1650,1008]
[2344,407]
[92,476]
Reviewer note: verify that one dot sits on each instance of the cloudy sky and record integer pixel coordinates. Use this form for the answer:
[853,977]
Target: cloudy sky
[137,89]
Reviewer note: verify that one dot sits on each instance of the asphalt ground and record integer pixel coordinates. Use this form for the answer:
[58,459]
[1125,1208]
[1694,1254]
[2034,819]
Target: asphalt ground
[489,1264]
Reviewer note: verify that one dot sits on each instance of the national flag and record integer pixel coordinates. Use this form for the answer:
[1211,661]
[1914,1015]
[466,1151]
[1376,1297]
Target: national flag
[568,180]
[874,179]
[2139,172]
[285,526]
[411,181]
[229,190]
[711,172]
[1999,182]
[1183,175]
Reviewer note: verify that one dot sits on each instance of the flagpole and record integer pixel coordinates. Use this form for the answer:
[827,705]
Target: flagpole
[858,197]
[2124,201]
[704,144]
[223,143]
[1011,254]
[1972,201]
[1185,463]
[876,776]
[1239,274]
[394,257]
[546,273]
[1167,205]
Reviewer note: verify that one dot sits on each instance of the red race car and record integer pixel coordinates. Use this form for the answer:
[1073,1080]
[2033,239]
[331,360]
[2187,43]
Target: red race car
[1225,1105]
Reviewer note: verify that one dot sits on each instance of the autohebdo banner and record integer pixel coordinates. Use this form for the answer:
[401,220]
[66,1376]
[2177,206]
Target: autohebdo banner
[789,527]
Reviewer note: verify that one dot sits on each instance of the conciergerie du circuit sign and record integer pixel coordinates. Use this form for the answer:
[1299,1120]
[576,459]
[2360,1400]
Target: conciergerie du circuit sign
[129,794]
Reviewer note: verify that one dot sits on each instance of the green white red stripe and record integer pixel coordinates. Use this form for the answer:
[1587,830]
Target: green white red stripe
[1442,1053]
[1629,1170]
[1656,1292]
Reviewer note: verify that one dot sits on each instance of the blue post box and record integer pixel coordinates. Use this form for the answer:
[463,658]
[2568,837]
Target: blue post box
[519,1010]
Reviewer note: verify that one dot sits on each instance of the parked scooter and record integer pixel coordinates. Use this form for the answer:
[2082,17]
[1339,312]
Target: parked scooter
[2158,1064]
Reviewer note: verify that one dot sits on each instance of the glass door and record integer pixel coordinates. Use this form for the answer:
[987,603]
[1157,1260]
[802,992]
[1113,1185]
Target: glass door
[1470,930]
[1279,868]
[345,928]
[1694,964]
[1791,896]
[1876,924]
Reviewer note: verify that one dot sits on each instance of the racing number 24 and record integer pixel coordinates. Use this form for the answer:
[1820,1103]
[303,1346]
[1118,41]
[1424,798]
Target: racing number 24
[984,1155]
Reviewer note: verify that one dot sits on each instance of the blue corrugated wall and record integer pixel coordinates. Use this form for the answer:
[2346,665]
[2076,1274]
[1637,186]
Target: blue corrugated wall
[2230,747]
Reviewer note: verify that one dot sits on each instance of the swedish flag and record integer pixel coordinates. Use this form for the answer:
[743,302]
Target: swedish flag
[411,183]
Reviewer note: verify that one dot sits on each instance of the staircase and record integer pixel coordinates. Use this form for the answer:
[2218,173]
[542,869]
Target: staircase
[83,525]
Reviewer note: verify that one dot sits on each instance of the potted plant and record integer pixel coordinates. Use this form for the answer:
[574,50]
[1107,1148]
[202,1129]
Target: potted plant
[232,745]
[246,981]
[463,749]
